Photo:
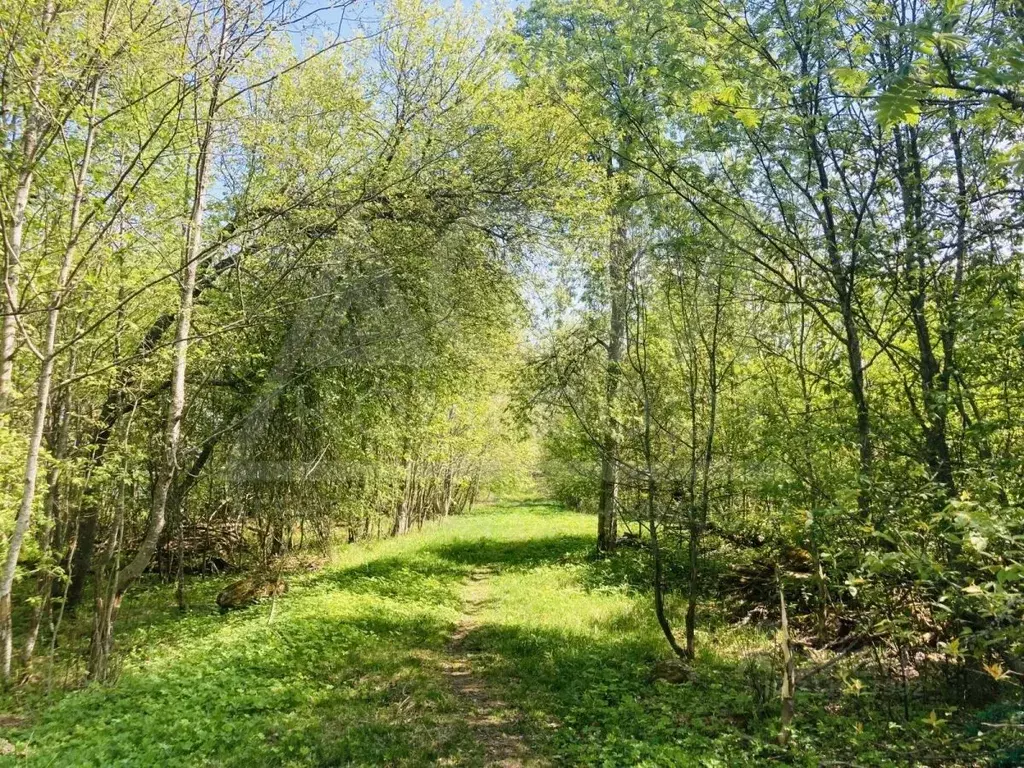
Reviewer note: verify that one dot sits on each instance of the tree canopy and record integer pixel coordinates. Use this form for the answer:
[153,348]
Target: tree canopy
[742,278]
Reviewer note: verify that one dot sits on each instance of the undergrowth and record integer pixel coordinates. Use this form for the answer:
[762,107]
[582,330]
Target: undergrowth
[345,670]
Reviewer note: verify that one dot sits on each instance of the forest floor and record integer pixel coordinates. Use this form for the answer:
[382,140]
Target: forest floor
[492,639]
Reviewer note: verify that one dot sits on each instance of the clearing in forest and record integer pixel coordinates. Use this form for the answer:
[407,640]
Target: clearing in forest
[491,639]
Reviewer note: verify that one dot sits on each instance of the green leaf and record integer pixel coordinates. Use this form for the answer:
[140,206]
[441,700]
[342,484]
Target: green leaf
[900,104]
[851,81]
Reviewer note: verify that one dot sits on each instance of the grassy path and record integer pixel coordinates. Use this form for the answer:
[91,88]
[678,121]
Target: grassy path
[386,656]
[494,639]
[495,724]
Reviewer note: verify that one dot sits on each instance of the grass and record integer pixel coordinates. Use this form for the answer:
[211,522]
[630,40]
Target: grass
[349,671]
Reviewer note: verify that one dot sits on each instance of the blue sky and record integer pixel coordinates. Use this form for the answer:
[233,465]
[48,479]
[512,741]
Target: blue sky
[366,12]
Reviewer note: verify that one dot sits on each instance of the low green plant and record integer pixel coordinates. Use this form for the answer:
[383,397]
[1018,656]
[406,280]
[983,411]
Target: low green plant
[349,670]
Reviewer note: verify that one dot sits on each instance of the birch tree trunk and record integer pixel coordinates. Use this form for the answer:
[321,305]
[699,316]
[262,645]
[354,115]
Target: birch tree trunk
[42,404]
[14,238]
[183,330]
[106,610]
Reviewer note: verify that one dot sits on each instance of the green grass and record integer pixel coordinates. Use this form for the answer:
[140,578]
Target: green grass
[348,671]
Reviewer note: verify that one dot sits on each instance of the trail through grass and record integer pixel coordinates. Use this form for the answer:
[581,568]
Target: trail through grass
[496,725]
[491,639]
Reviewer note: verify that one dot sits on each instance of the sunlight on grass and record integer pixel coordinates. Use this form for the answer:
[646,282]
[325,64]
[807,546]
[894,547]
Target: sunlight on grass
[348,671]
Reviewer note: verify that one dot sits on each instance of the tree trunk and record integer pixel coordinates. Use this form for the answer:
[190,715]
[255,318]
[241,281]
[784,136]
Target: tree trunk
[843,280]
[103,637]
[39,610]
[699,510]
[42,405]
[932,382]
[607,527]
[659,587]
[102,641]
[30,146]
[640,365]
[114,406]
[788,691]
[402,511]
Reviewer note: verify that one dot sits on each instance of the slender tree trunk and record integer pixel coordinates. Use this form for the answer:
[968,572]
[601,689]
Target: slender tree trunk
[107,600]
[950,318]
[842,276]
[936,445]
[691,507]
[42,404]
[699,510]
[102,641]
[23,519]
[607,527]
[858,391]
[39,611]
[44,585]
[176,405]
[30,146]
[52,539]
[126,576]
[12,278]
[652,487]
[659,586]
[813,529]
[402,511]
[180,575]
[788,692]
[113,408]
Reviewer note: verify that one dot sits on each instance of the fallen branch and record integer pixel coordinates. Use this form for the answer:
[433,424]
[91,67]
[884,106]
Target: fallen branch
[854,644]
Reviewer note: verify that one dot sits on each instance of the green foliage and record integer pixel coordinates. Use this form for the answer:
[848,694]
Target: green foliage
[816,390]
[356,315]
[784,334]
[349,670]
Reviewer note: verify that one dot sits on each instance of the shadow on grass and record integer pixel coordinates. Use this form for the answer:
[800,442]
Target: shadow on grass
[435,574]
[514,555]
[594,700]
[303,690]
[357,681]
[533,505]
[410,578]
